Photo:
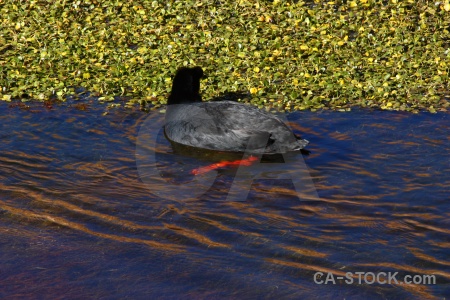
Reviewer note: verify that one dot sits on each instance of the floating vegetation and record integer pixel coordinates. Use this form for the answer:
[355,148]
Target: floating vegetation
[284,54]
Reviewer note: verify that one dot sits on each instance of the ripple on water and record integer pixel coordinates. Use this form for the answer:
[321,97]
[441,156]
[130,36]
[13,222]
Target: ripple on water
[78,220]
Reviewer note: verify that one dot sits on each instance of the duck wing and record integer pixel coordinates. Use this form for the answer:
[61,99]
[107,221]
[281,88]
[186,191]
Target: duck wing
[229,126]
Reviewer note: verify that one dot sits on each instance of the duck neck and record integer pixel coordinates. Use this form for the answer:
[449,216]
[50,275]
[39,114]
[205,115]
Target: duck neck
[183,98]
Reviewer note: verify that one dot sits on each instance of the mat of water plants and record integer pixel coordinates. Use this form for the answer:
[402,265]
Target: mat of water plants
[290,55]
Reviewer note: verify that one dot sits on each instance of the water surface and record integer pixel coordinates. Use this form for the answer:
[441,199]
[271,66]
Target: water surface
[77,221]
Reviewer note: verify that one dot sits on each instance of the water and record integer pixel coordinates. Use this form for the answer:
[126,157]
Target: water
[78,221]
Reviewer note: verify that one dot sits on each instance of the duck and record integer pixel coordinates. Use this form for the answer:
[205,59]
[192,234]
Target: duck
[222,125]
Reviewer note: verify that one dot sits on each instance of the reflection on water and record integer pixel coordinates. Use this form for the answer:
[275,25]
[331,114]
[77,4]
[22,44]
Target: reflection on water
[77,220]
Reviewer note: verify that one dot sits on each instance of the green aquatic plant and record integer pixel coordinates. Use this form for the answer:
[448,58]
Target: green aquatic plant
[284,54]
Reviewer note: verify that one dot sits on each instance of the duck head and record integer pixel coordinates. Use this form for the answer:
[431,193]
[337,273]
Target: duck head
[186,86]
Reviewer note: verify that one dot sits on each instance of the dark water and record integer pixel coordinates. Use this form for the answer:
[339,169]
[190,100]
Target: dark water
[77,220]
